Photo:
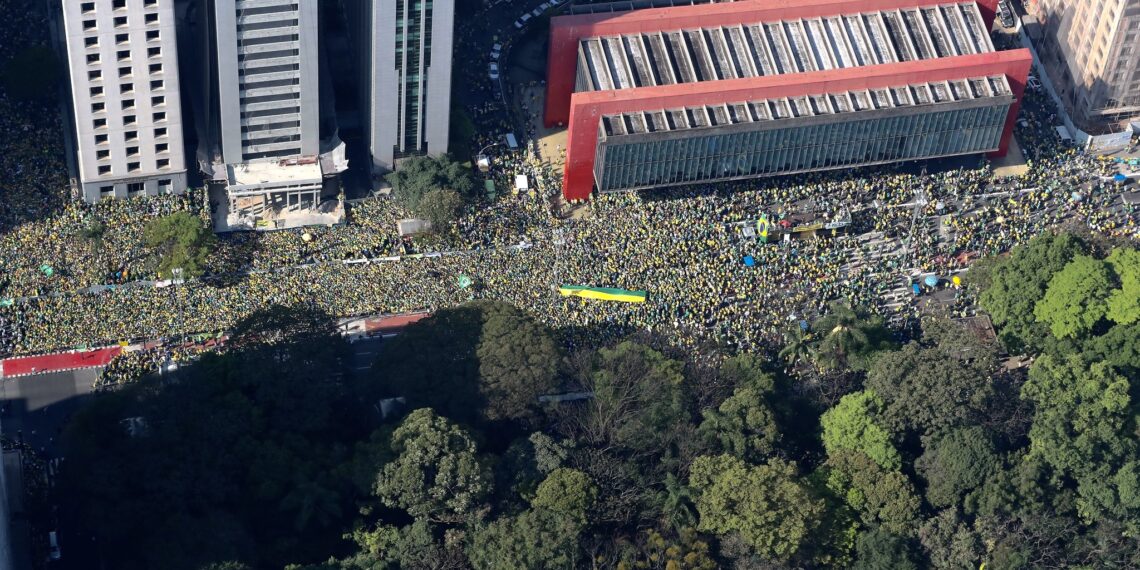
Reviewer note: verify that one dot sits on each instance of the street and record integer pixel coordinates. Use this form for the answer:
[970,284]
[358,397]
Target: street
[35,408]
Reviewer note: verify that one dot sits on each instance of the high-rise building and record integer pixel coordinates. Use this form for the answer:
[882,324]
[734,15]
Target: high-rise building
[123,66]
[407,47]
[267,78]
[1091,49]
[267,106]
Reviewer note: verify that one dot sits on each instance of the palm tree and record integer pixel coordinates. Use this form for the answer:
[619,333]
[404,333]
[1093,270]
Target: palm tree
[798,346]
[677,503]
[844,334]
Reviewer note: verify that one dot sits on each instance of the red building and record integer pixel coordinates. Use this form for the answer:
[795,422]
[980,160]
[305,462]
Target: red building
[727,91]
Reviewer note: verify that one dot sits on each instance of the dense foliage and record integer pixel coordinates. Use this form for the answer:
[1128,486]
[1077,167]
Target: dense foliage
[849,451]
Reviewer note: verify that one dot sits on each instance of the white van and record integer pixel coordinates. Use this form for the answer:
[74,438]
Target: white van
[53,547]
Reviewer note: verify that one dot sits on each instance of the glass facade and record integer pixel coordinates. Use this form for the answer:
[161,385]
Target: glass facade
[734,152]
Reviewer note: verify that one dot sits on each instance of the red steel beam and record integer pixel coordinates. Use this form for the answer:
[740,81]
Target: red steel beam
[587,108]
[567,31]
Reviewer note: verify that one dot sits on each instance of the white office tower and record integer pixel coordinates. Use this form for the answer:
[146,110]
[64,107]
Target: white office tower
[268,105]
[409,43]
[123,65]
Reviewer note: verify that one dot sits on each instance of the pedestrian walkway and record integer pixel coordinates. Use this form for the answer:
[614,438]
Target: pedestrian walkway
[28,365]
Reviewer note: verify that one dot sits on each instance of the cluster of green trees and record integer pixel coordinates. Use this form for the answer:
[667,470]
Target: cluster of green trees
[851,451]
[432,188]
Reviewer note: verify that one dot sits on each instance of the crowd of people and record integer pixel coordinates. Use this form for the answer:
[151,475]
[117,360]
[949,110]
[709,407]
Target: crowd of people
[684,246]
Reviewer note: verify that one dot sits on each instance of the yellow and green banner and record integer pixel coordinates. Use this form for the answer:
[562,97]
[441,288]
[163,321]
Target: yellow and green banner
[603,293]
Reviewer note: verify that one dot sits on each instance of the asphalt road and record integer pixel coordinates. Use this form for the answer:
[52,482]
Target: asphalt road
[36,407]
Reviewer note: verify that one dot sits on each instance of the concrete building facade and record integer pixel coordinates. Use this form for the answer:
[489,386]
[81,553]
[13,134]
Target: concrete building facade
[267,75]
[123,70]
[1091,49]
[407,47]
[691,94]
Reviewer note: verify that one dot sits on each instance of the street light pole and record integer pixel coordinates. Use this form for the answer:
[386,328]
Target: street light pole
[176,273]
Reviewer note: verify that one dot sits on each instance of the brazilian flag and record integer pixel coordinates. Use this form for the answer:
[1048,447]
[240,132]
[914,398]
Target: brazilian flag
[762,227]
[603,293]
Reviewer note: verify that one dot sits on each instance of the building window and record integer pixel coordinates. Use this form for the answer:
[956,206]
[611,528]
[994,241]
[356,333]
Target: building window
[104,170]
[96,91]
[128,104]
[99,123]
[105,190]
[124,54]
[150,3]
[133,167]
[100,139]
[158,117]
[126,87]
[158,100]
[163,163]
[98,107]
[135,188]
[119,4]
[92,41]
[92,58]
[157,84]
[122,38]
[164,185]
[102,154]
[87,7]
[131,135]
[160,132]
[151,19]
[120,21]
[88,25]
[152,35]
[124,71]
[94,75]
[156,68]
[161,147]
[154,51]
[128,119]
[132,151]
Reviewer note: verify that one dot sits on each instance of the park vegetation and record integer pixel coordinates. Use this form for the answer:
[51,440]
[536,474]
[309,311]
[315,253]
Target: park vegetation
[850,448]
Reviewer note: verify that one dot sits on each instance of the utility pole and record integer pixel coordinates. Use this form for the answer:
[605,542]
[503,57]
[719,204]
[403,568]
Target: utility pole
[177,280]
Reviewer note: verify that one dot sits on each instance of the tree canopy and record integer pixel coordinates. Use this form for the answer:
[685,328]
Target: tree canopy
[1076,298]
[851,425]
[419,175]
[180,240]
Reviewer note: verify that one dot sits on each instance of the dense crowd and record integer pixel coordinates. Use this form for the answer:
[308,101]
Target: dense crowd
[682,245]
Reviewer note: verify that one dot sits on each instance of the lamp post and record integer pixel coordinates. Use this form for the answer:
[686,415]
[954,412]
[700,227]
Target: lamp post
[176,273]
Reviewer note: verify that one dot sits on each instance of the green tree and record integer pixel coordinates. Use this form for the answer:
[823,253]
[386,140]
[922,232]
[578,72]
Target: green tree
[436,474]
[419,175]
[1124,303]
[950,543]
[744,425]
[532,539]
[847,337]
[1076,299]
[1015,285]
[683,550]
[242,453]
[1083,427]
[33,73]
[930,390]
[956,464]
[440,206]
[413,547]
[851,425]
[568,493]
[484,360]
[180,240]
[799,346]
[878,549]
[766,505]
[880,496]
[518,362]
[638,399]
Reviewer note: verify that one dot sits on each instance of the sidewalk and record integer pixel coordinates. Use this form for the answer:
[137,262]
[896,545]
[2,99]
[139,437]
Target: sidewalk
[28,365]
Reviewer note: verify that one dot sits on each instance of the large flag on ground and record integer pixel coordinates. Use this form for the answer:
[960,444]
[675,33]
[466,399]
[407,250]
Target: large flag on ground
[603,293]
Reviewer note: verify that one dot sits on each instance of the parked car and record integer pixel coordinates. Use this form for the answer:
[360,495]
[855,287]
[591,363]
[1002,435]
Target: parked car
[536,12]
[494,71]
[519,23]
[1033,83]
[1006,14]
